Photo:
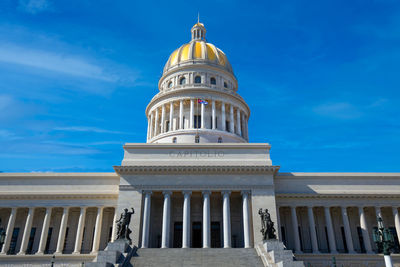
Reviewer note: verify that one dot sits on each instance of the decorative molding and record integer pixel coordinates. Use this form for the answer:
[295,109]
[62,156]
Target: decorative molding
[194,188]
[196,169]
[54,196]
[322,196]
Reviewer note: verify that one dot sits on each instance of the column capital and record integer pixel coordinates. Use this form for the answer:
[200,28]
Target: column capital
[147,192]
[245,192]
[224,192]
[206,192]
[395,209]
[167,193]
[186,192]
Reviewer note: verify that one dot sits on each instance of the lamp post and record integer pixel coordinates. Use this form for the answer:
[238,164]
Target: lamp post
[2,236]
[384,239]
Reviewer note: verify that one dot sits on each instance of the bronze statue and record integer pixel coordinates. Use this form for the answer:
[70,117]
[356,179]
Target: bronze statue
[267,225]
[123,230]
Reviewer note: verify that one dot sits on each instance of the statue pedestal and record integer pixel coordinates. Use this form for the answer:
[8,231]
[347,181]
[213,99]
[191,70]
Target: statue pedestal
[274,253]
[115,254]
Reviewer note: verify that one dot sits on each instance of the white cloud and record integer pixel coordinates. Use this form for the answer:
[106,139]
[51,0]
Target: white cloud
[86,129]
[340,110]
[34,6]
[59,63]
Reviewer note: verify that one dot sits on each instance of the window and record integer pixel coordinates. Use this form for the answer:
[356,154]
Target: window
[169,84]
[166,126]
[213,81]
[197,139]
[197,121]
[225,85]
[30,242]
[174,140]
[182,81]
[197,79]
[13,243]
[46,250]
[219,139]
[66,239]
[227,126]
[183,124]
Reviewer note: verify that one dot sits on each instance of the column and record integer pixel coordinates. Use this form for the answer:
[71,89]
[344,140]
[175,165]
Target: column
[347,230]
[206,219]
[364,230]
[246,218]
[214,122]
[79,231]
[156,123]
[27,231]
[163,119]
[171,115]
[191,120]
[297,247]
[148,128]
[313,232]
[114,227]
[232,124]
[45,231]
[186,219]
[202,115]
[396,220]
[223,119]
[146,219]
[239,129]
[166,219]
[226,207]
[9,231]
[97,230]
[329,226]
[181,114]
[278,222]
[61,234]
[151,125]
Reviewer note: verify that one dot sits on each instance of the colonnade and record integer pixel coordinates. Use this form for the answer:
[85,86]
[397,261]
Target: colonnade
[331,235]
[186,229]
[45,224]
[164,119]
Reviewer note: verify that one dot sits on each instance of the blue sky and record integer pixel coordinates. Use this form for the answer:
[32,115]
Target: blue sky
[321,78]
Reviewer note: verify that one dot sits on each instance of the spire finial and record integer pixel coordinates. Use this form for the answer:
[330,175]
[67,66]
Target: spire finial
[198,17]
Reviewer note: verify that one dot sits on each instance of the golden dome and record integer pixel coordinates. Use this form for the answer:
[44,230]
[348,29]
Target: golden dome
[198,51]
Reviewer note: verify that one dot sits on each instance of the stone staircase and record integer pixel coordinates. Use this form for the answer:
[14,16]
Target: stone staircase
[274,254]
[191,257]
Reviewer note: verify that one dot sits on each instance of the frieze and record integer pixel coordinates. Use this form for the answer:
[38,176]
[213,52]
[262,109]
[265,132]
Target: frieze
[196,169]
[196,154]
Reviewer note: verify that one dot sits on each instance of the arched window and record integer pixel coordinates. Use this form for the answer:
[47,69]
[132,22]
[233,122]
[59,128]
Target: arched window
[169,84]
[213,81]
[174,140]
[182,81]
[197,139]
[219,139]
[197,79]
[225,85]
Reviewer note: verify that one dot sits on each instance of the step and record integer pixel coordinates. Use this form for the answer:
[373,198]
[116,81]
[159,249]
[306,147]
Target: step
[221,257]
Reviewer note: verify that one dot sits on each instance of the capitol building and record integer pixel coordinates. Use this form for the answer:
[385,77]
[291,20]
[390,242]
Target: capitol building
[197,186]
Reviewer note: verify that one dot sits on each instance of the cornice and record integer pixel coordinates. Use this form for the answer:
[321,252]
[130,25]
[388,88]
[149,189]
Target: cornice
[330,196]
[59,175]
[24,196]
[196,146]
[193,188]
[196,169]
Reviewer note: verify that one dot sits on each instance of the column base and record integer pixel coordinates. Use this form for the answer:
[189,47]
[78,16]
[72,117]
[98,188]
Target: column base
[21,253]
[39,253]
[352,252]
[316,252]
[76,253]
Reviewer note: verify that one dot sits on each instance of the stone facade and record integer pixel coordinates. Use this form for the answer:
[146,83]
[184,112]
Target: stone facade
[198,183]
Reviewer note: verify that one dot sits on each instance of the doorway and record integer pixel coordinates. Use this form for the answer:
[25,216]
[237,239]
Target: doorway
[177,234]
[196,235]
[215,234]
